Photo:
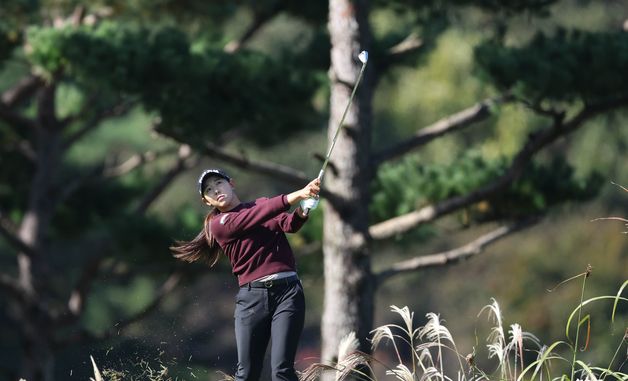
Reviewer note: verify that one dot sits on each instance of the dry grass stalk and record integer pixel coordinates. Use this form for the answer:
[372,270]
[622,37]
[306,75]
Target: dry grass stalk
[97,375]
[428,344]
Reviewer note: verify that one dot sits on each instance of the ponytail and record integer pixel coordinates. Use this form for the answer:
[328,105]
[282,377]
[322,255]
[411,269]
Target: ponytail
[203,247]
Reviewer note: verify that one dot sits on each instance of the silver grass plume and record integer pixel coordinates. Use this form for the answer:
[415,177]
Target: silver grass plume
[402,373]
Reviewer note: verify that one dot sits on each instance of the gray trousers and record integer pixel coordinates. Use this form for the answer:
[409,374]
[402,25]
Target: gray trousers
[262,314]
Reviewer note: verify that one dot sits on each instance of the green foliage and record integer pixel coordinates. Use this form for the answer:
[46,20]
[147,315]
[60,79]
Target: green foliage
[125,297]
[311,11]
[103,200]
[172,11]
[510,6]
[107,209]
[261,99]
[8,41]
[13,15]
[565,67]
[409,185]
[146,238]
[15,11]
[544,186]
[198,13]
[162,54]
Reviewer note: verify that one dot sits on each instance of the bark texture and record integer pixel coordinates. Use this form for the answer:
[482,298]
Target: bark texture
[348,301]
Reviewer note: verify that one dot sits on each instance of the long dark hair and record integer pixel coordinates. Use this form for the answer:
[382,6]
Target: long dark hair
[202,248]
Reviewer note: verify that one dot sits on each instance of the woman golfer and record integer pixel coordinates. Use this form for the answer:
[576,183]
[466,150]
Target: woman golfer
[270,303]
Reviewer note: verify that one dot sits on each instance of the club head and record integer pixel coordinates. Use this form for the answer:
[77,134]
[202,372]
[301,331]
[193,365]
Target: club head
[363,56]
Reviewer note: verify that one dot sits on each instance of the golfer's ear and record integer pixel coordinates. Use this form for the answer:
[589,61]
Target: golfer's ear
[232,182]
[206,201]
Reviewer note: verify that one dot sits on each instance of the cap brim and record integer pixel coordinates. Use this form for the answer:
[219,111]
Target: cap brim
[209,173]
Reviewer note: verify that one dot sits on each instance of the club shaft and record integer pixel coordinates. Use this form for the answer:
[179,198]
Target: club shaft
[321,174]
[341,124]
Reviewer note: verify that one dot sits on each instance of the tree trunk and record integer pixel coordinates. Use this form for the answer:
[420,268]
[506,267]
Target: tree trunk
[37,358]
[348,302]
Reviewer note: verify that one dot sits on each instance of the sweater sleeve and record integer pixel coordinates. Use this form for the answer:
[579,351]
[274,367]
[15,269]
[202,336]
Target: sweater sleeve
[230,225]
[290,222]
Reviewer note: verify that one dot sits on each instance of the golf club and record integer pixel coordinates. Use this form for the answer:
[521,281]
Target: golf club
[363,57]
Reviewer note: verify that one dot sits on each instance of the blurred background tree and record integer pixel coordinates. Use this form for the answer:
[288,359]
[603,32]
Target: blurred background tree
[105,104]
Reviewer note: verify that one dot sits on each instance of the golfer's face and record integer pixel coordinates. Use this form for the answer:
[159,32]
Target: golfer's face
[218,192]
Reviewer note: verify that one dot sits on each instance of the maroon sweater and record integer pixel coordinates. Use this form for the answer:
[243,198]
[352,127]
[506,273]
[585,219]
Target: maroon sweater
[252,236]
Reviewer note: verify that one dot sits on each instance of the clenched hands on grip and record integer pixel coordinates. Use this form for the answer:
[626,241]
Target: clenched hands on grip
[307,196]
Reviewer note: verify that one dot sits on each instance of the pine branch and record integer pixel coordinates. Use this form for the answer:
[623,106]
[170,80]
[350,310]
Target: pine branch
[452,123]
[409,44]
[277,171]
[259,20]
[27,300]
[78,295]
[472,248]
[11,99]
[183,163]
[46,107]
[536,142]
[109,171]
[14,119]
[548,112]
[21,91]
[166,288]
[274,170]
[134,162]
[396,53]
[75,184]
[10,233]
[25,148]
[115,111]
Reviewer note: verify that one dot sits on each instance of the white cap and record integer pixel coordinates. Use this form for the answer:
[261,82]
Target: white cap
[210,172]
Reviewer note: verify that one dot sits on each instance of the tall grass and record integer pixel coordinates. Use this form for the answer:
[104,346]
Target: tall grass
[434,356]
[430,353]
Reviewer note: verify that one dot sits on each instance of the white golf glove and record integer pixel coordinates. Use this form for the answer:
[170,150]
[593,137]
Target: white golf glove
[309,203]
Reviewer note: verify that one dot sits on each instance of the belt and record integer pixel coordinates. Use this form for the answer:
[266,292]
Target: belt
[273,282]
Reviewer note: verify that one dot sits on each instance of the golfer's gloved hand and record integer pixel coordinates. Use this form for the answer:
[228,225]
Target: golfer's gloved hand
[309,203]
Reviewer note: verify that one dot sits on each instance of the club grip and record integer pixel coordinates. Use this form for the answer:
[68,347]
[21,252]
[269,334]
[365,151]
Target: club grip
[306,211]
